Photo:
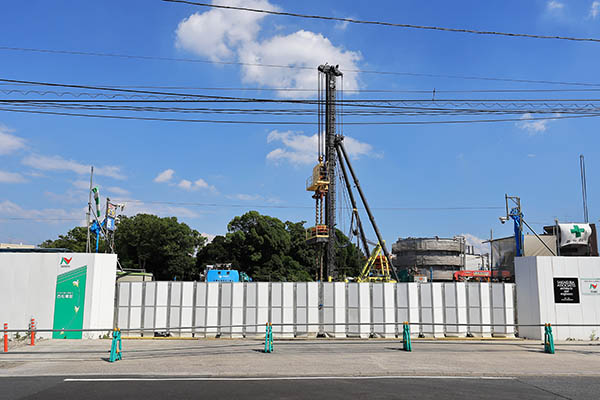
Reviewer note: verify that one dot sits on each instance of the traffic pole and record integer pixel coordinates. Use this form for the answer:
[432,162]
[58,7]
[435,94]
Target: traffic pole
[5,338]
[32,331]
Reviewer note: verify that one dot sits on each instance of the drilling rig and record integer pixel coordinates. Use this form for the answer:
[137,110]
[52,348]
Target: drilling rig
[322,183]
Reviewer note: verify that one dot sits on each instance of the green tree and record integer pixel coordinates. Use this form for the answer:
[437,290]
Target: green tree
[300,251]
[75,240]
[257,245]
[163,246]
[268,249]
[215,252]
[349,259]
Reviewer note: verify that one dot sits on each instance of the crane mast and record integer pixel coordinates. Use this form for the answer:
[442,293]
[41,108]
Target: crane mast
[322,182]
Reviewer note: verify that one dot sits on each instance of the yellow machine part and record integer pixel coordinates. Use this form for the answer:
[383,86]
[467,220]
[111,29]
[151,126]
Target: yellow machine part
[318,181]
[377,268]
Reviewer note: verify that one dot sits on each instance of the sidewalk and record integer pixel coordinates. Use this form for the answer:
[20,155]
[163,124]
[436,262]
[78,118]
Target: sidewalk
[326,357]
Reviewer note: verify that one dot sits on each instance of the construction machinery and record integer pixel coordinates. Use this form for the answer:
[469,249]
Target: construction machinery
[331,157]
[473,275]
[376,269]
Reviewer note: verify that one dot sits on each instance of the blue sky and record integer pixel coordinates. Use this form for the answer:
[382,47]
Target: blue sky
[44,159]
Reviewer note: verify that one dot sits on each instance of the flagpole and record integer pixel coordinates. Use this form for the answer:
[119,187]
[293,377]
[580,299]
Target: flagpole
[89,211]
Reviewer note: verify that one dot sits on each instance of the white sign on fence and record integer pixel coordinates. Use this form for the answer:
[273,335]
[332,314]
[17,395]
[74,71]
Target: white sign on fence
[590,286]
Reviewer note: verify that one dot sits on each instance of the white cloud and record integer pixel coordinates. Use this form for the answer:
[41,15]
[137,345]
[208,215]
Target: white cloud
[139,207]
[299,49]
[118,191]
[302,149]
[34,174]
[357,149]
[8,208]
[164,176]
[185,184]
[245,197]
[58,163]
[253,197]
[8,142]
[298,149]
[197,184]
[532,127]
[83,185]
[11,177]
[216,33]
[531,155]
[554,5]
[595,9]
[478,246]
[342,25]
[209,237]
[228,35]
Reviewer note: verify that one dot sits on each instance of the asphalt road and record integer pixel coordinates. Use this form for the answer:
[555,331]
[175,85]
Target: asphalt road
[148,388]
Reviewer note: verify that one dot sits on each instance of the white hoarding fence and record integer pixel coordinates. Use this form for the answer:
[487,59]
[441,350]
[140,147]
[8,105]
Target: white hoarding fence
[306,309]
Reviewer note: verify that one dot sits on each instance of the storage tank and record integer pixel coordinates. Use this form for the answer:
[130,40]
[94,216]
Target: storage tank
[436,258]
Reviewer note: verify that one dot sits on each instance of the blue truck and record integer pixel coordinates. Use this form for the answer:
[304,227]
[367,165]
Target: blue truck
[226,275]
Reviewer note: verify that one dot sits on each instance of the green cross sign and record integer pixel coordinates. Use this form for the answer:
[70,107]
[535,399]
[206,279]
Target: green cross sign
[577,230]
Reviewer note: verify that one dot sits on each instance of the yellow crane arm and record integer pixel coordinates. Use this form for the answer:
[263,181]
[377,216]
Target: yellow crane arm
[364,275]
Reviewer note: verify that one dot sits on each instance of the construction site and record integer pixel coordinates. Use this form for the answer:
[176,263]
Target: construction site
[195,239]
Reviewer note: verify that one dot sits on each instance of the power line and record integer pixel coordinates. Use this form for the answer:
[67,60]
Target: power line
[456,208]
[125,117]
[142,57]
[38,219]
[290,89]
[194,60]
[242,99]
[349,111]
[382,23]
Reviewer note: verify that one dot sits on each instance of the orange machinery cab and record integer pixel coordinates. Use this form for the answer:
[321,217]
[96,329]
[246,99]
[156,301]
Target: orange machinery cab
[381,268]
[317,234]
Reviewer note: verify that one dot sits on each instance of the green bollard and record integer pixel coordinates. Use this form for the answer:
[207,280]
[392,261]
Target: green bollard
[115,348]
[406,344]
[548,340]
[269,338]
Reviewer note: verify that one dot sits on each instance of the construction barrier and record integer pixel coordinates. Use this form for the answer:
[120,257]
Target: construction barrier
[548,339]
[309,309]
[116,343]
[32,331]
[115,347]
[406,343]
[269,338]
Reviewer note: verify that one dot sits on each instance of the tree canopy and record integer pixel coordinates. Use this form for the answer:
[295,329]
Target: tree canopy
[163,246]
[264,247]
[268,249]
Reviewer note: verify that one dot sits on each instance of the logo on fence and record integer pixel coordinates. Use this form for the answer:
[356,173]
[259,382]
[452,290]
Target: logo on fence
[65,261]
[590,286]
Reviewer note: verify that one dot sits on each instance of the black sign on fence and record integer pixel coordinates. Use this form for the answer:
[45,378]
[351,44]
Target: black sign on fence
[566,290]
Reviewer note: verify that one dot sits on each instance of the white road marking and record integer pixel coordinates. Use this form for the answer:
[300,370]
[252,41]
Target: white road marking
[281,378]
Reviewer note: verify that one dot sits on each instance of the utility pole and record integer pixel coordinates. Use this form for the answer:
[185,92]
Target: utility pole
[89,211]
[331,74]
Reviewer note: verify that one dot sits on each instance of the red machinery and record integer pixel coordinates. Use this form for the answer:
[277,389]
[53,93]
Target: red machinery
[467,275]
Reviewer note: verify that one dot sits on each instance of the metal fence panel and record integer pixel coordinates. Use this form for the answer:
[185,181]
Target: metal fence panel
[297,309]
